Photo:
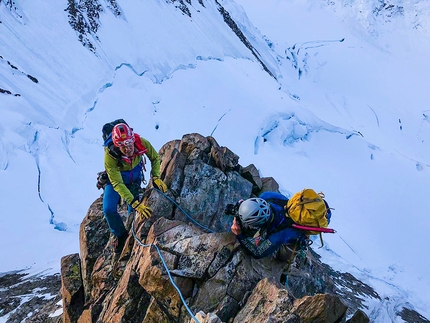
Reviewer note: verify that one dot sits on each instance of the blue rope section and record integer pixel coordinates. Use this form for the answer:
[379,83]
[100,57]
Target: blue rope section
[183,211]
[159,253]
[167,270]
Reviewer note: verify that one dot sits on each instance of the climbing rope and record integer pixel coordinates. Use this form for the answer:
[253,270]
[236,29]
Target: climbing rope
[159,252]
[183,211]
[165,267]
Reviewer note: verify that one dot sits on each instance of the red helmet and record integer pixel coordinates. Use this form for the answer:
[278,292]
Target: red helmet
[122,135]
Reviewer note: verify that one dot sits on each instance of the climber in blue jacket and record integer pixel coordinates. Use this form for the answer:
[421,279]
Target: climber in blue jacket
[262,228]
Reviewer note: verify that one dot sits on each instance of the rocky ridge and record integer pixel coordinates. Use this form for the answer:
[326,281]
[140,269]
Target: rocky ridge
[184,260]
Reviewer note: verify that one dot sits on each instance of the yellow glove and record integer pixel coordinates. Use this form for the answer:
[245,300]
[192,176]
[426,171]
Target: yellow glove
[159,184]
[143,210]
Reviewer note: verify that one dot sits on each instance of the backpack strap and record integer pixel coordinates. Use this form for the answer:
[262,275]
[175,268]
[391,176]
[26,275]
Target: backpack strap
[317,199]
[113,151]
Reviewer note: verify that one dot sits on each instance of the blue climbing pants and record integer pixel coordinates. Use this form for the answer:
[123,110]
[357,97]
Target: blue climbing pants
[110,210]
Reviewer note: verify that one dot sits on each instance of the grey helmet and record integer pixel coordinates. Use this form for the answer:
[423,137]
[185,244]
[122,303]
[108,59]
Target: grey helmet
[254,212]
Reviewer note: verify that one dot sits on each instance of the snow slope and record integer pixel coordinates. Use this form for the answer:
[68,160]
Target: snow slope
[345,111]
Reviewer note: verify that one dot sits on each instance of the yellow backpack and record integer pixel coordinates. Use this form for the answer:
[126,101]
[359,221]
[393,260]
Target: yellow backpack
[308,208]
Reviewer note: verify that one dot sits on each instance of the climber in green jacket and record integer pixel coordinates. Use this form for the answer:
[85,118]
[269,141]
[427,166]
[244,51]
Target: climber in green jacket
[124,162]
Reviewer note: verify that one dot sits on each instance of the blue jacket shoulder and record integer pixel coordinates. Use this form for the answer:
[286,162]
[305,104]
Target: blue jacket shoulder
[273,195]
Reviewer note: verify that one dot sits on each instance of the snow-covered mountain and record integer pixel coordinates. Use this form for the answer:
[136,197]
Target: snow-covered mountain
[331,95]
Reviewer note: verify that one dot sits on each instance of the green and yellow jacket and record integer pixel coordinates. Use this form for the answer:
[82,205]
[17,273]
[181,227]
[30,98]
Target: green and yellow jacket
[124,171]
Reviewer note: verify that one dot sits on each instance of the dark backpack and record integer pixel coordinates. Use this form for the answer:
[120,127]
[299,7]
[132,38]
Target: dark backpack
[107,131]
[102,177]
[107,138]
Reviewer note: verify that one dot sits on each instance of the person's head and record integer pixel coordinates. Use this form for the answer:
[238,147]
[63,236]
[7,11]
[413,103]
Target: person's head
[123,138]
[254,213]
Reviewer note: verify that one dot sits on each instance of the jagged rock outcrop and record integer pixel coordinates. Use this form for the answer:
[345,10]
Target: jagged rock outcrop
[186,253]
[72,287]
[29,298]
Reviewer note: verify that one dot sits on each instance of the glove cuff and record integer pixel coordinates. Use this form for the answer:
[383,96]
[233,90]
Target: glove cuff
[134,200]
[136,203]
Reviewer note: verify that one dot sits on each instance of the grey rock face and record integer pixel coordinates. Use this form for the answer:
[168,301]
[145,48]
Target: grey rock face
[185,260]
